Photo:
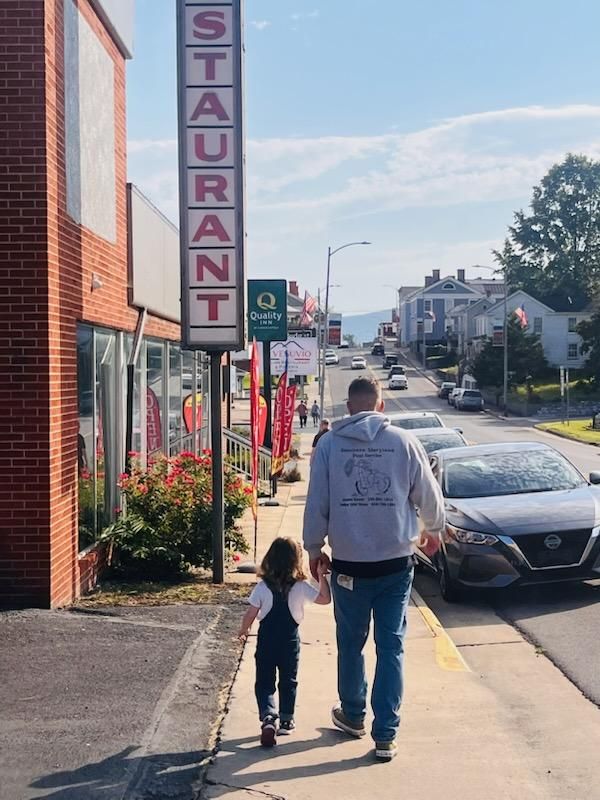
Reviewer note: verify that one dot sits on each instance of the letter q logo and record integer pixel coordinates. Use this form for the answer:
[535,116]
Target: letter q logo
[266,301]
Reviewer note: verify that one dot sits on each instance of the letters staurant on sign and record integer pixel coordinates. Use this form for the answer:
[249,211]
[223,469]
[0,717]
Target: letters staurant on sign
[211,162]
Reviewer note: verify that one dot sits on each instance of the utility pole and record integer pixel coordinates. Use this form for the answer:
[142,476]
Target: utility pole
[505,342]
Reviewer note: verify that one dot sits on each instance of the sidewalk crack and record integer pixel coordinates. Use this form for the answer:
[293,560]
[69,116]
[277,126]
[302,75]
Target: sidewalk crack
[256,792]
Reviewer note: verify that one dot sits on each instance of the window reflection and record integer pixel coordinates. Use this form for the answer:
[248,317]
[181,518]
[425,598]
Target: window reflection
[85,436]
[154,396]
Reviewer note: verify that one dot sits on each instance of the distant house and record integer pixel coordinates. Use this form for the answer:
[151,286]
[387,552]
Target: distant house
[557,329]
[432,306]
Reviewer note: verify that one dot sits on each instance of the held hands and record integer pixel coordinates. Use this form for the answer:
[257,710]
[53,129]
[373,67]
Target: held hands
[323,562]
[430,543]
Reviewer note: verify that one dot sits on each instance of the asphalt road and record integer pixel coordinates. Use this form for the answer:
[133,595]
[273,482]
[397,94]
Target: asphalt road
[563,620]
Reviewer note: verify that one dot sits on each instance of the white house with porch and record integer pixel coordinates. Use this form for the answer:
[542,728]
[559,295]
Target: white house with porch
[557,329]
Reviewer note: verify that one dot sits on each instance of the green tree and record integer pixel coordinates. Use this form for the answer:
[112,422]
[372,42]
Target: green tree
[553,252]
[350,339]
[525,357]
[590,344]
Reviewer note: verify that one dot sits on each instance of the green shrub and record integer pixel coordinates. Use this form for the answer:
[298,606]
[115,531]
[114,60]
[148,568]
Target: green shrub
[168,525]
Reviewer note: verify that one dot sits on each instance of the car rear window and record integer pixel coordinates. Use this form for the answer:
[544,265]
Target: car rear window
[441,442]
[411,423]
[471,393]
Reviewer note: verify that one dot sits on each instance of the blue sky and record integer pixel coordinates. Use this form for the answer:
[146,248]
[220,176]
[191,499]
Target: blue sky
[419,126]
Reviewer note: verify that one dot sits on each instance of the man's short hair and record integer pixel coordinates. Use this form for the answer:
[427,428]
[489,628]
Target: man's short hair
[325,422]
[364,389]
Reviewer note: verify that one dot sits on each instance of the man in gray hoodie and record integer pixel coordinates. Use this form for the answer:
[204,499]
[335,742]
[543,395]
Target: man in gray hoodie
[367,481]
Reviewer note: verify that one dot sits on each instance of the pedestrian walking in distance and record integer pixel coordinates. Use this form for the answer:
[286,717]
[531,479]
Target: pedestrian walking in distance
[323,429]
[315,413]
[278,601]
[302,410]
[367,481]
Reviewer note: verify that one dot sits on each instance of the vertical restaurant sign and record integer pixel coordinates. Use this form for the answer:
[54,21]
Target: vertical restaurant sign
[211,174]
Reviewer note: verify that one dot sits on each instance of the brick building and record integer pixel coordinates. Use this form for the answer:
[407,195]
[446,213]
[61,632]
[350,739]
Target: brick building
[69,275]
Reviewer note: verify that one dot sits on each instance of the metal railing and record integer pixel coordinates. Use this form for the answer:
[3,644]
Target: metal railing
[238,450]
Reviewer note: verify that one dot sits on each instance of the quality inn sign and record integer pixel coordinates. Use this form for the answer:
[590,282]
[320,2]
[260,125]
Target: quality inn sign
[211,179]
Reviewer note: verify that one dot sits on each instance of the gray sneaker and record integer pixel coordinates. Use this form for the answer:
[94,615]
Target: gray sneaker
[385,751]
[341,721]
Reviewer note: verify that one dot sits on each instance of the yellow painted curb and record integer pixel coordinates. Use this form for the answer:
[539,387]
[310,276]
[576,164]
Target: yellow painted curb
[447,655]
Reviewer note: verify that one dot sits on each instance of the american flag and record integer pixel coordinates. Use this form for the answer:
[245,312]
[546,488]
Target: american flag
[308,309]
[430,315]
[522,316]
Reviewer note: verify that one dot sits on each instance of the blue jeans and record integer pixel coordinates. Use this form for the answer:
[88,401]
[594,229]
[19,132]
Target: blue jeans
[387,600]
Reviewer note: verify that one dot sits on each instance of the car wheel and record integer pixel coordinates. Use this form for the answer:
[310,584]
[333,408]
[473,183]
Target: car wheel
[449,588]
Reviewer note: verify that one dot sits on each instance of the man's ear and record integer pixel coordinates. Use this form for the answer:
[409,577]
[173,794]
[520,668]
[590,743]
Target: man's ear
[349,407]
[380,405]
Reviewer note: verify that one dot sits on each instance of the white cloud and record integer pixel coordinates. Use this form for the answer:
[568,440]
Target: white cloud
[260,24]
[298,16]
[303,191]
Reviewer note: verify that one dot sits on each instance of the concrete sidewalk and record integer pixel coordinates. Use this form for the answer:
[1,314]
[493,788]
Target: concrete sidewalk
[504,723]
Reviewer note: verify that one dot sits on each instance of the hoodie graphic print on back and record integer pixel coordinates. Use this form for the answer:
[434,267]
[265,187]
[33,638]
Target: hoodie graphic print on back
[367,480]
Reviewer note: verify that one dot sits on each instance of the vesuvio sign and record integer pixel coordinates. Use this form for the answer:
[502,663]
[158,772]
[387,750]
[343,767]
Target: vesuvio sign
[267,310]
[211,183]
[302,357]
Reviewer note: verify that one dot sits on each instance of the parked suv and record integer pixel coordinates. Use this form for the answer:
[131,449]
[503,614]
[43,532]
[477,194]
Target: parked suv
[389,361]
[469,400]
[454,394]
[445,389]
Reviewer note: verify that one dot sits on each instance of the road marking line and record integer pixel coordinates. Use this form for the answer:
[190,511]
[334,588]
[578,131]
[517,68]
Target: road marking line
[447,654]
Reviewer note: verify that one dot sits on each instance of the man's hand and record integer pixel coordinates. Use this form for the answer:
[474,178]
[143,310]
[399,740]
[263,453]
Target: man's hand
[323,560]
[430,543]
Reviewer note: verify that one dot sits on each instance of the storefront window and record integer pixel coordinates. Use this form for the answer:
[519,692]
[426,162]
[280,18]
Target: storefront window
[155,396]
[85,438]
[175,399]
[106,428]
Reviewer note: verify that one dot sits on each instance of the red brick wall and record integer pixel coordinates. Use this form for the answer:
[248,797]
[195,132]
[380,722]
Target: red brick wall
[46,266]
[24,373]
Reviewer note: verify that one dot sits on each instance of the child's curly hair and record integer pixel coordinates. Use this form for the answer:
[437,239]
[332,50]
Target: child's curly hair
[281,567]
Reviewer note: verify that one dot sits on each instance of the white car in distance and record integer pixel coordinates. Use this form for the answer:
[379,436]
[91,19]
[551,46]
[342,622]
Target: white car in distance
[331,358]
[398,382]
[358,362]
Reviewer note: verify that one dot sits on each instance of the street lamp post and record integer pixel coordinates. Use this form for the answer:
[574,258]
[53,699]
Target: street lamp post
[504,339]
[397,291]
[330,253]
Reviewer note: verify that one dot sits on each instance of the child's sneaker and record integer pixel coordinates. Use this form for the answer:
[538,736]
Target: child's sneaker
[268,731]
[286,727]
[385,751]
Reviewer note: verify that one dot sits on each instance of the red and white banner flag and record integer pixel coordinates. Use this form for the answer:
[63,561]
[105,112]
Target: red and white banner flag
[277,455]
[288,421]
[308,309]
[255,420]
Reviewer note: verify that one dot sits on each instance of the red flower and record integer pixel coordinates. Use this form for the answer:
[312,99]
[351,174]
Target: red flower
[236,557]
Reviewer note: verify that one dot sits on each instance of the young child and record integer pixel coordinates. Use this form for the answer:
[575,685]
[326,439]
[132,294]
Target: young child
[278,601]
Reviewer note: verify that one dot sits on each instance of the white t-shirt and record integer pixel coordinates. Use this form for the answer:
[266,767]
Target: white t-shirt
[300,594]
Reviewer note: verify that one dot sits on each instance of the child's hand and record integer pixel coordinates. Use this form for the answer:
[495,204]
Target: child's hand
[322,569]
[242,634]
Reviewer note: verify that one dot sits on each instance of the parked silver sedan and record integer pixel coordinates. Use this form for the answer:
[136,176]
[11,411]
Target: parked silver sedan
[517,513]
[434,439]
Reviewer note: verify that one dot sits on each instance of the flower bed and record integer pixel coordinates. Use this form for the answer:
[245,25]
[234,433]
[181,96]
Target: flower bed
[167,527]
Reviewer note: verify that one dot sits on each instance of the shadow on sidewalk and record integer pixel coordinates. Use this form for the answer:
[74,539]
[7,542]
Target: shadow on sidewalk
[253,780]
[122,775]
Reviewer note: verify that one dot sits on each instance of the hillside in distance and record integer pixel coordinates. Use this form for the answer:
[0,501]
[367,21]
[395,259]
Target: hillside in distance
[364,326]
